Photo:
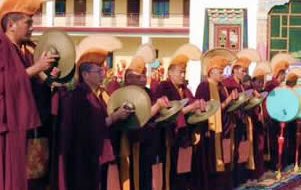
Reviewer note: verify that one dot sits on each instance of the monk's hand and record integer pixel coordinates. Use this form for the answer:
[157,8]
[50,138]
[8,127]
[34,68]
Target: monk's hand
[234,94]
[203,105]
[121,114]
[196,138]
[45,61]
[196,105]
[57,85]
[256,94]
[260,117]
[163,102]
[160,104]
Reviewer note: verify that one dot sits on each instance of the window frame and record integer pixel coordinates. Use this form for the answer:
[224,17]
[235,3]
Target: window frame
[112,8]
[165,13]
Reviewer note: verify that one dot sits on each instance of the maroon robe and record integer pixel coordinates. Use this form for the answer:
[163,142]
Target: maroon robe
[42,96]
[223,179]
[85,122]
[288,156]
[237,119]
[258,136]
[61,103]
[274,129]
[258,142]
[231,84]
[112,86]
[180,137]
[18,113]
[150,151]
[271,85]
[154,84]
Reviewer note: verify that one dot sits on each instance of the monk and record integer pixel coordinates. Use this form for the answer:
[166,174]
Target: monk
[277,79]
[19,112]
[149,137]
[88,124]
[291,130]
[42,95]
[179,139]
[238,120]
[218,168]
[256,113]
[279,67]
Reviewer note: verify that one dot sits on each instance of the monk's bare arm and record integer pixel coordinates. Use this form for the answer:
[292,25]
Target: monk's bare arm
[189,108]
[33,71]
[227,101]
[161,103]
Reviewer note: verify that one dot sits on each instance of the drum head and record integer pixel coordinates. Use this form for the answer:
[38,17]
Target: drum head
[283,104]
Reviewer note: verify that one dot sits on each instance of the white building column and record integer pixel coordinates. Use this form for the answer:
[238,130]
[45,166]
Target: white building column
[252,24]
[50,12]
[146,39]
[146,13]
[146,19]
[146,23]
[193,73]
[196,23]
[97,9]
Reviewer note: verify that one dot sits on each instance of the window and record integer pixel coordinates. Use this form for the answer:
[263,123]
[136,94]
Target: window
[108,7]
[110,60]
[227,36]
[285,29]
[161,8]
[60,7]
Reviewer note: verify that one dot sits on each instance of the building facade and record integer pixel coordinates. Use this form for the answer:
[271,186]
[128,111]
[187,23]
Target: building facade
[270,26]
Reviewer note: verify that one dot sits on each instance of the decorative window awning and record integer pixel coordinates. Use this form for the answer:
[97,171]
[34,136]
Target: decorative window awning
[231,16]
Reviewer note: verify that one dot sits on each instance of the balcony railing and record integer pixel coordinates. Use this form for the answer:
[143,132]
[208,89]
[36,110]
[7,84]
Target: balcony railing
[115,20]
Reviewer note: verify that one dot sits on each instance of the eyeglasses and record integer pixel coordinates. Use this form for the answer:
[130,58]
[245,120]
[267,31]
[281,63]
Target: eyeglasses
[216,72]
[132,75]
[97,71]
[244,71]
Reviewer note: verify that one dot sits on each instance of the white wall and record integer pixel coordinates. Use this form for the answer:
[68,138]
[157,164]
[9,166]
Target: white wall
[197,23]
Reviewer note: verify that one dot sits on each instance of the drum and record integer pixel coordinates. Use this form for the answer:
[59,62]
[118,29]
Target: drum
[283,104]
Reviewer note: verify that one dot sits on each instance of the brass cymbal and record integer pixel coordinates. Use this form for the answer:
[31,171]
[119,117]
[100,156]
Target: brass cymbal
[58,42]
[255,101]
[211,109]
[175,107]
[242,99]
[134,98]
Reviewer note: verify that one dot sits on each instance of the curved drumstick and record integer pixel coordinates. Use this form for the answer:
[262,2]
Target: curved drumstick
[280,149]
[298,135]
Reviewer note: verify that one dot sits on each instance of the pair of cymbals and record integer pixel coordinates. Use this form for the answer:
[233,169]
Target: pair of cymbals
[176,106]
[171,112]
[247,100]
[255,101]
[214,105]
[242,99]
